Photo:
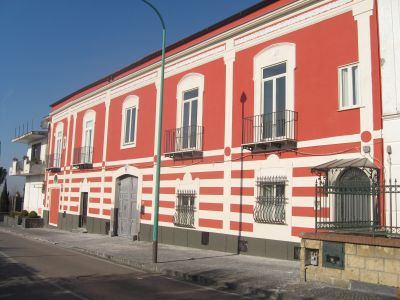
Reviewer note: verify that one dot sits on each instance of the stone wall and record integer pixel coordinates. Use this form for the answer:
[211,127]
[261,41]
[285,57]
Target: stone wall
[366,259]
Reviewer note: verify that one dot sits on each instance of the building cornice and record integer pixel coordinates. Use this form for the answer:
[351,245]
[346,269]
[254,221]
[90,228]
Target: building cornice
[213,41]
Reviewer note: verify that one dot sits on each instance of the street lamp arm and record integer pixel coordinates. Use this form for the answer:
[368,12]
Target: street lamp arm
[157,12]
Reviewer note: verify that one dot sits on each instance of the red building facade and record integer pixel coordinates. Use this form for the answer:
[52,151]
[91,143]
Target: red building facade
[251,106]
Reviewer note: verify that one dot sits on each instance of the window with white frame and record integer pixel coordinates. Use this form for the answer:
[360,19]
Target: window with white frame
[129,121]
[185,208]
[349,93]
[189,118]
[271,200]
[58,145]
[273,76]
[189,112]
[274,100]
[86,153]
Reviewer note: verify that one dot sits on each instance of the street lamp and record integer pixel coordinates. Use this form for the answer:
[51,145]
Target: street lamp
[160,116]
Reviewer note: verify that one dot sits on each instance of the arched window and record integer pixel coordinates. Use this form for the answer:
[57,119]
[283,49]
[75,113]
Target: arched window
[130,109]
[189,117]
[58,136]
[86,153]
[274,88]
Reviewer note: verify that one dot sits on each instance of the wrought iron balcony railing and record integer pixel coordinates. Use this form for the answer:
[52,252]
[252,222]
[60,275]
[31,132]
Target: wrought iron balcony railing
[184,142]
[54,162]
[83,157]
[184,216]
[269,132]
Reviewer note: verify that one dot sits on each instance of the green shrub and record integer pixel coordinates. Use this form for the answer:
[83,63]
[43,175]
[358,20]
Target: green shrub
[24,213]
[15,214]
[33,214]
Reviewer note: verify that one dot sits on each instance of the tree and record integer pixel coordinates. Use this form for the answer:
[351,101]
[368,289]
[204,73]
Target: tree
[4,198]
[3,174]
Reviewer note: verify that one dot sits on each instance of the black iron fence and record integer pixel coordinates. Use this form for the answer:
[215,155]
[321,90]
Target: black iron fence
[83,155]
[368,208]
[184,138]
[276,126]
[184,216]
[54,161]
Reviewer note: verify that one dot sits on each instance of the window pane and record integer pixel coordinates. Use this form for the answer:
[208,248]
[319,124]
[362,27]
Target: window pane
[133,124]
[354,75]
[268,92]
[127,124]
[186,114]
[193,123]
[185,129]
[193,116]
[344,87]
[267,122]
[267,191]
[280,190]
[280,93]
[191,94]
[89,124]
[274,70]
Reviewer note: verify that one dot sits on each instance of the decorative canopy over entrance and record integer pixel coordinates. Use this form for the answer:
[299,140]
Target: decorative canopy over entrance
[334,169]
[345,163]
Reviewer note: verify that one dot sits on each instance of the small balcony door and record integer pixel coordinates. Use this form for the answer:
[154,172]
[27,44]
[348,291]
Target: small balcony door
[274,101]
[86,154]
[57,154]
[189,119]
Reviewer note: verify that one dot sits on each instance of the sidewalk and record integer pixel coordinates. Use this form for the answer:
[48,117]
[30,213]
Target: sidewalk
[247,275]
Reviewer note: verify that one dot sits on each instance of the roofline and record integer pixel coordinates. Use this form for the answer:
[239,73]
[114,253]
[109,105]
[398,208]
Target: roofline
[42,133]
[177,44]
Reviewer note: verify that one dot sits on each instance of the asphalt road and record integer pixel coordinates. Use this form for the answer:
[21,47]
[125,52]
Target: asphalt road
[35,270]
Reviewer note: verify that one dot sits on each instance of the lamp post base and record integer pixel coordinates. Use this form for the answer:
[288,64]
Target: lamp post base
[155,251]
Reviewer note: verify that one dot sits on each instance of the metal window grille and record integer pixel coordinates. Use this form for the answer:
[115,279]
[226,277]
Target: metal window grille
[185,208]
[271,200]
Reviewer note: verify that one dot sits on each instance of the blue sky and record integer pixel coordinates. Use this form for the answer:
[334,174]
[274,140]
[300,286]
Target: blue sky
[50,48]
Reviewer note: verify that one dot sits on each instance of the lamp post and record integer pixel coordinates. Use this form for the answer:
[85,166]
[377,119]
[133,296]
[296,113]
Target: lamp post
[160,117]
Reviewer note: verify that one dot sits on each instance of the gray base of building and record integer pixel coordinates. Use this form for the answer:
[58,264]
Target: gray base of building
[93,225]
[45,216]
[222,242]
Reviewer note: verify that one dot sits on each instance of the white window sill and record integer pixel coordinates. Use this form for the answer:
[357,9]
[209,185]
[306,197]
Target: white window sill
[350,107]
[127,146]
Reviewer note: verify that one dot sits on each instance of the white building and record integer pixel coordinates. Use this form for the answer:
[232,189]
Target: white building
[389,39]
[32,167]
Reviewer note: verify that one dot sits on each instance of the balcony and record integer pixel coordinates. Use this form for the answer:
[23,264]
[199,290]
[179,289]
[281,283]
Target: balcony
[184,142]
[54,162]
[270,132]
[26,167]
[83,158]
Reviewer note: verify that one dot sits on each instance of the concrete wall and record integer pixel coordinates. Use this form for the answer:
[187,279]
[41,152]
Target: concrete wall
[93,225]
[221,242]
[45,217]
[370,263]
